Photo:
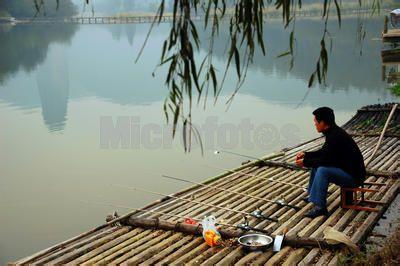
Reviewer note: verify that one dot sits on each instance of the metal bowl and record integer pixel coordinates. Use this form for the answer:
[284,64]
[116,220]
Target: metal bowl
[254,242]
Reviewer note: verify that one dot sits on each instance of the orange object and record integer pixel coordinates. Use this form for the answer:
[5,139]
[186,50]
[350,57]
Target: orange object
[212,238]
[190,221]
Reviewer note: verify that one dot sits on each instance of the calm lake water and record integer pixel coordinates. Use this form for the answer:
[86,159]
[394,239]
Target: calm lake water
[63,89]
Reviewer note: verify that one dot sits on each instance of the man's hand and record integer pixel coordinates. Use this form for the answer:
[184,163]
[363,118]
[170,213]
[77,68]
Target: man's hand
[299,162]
[299,159]
[300,155]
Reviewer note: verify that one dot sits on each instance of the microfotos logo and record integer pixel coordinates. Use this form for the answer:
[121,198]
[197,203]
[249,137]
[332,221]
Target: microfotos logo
[129,132]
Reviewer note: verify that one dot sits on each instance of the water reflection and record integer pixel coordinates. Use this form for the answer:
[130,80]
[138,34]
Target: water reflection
[100,63]
[24,49]
[53,85]
[351,64]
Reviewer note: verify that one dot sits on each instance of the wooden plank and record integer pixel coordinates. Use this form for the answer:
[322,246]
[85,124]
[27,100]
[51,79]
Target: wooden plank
[107,246]
[143,246]
[164,253]
[323,260]
[191,254]
[63,250]
[90,246]
[232,257]
[111,252]
[202,256]
[198,241]
[263,257]
[295,257]
[248,258]
[128,245]
[307,260]
[43,252]
[278,257]
[153,249]
[217,257]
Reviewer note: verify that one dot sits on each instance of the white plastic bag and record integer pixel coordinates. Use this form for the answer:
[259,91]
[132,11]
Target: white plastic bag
[210,232]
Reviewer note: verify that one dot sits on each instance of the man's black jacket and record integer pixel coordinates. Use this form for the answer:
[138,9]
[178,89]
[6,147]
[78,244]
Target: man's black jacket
[339,150]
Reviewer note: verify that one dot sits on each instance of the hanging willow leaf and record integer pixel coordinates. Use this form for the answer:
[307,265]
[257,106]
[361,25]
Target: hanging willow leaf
[311,80]
[291,42]
[237,61]
[161,12]
[338,13]
[284,54]
[214,79]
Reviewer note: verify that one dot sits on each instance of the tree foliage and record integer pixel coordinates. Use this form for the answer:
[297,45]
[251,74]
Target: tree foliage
[30,8]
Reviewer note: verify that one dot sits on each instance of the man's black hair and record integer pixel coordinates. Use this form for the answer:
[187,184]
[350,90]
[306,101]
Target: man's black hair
[325,114]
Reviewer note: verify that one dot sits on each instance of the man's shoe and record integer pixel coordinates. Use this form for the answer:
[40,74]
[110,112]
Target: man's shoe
[316,211]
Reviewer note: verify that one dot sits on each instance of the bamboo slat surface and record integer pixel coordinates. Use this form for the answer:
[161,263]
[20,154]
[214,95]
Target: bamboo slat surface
[127,245]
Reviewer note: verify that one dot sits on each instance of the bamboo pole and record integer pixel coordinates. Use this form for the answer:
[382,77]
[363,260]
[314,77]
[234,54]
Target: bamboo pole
[269,179]
[242,203]
[90,246]
[117,248]
[203,256]
[289,195]
[191,246]
[217,177]
[230,191]
[197,230]
[142,247]
[167,251]
[152,250]
[291,166]
[128,245]
[382,134]
[74,246]
[200,211]
[100,250]
[193,201]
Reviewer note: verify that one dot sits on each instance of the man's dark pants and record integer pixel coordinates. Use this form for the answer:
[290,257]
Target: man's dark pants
[319,181]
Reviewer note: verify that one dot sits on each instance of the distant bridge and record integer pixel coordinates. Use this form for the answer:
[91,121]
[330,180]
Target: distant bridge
[97,20]
[166,18]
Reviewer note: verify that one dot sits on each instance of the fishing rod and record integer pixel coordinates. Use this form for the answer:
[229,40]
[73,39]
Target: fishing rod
[271,179]
[238,154]
[244,226]
[279,202]
[257,214]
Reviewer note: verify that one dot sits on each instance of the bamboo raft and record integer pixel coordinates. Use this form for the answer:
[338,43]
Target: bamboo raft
[153,238]
[391,35]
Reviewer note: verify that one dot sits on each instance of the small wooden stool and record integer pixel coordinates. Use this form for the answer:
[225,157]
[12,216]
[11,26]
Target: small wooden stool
[357,203]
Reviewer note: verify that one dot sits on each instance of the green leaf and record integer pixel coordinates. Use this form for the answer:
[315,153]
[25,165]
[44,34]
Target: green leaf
[338,12]
[213,78]
[284,54]
[161,12]
[311,80]
[237,61]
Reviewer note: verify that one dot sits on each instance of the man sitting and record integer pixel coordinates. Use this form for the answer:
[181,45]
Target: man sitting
[339,161]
